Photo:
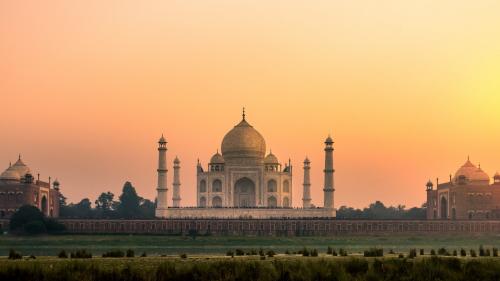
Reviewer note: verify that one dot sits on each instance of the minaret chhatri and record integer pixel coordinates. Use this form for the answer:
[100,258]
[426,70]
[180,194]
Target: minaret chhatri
[329,185]
[306,194]
[161,198]
[176,197]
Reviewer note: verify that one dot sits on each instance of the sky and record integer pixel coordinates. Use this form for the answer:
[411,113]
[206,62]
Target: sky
[407,89]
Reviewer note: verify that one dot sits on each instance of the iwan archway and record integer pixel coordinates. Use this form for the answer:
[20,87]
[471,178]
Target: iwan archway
[244,193]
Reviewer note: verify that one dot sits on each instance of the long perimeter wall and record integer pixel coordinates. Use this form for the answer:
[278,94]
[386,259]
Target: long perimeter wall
[278,227]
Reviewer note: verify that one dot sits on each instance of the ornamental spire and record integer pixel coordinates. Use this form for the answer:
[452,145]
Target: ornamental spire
[243,113]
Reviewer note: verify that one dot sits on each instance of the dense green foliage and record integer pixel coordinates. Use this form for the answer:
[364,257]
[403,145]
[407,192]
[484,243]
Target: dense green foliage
[29,220]
[129,206]
[378,210]
[340,269]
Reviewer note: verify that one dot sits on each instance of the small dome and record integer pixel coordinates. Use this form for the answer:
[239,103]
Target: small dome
[271,159]
[329,139]
[429,184]
[217,159]
[176,160]
[20,168]
[10,174]
[471,173]
[306,161]
[56,183]
[243,141]
[497,175]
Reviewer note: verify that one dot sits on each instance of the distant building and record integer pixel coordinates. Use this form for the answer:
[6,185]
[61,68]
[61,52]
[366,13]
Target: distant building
[468,195]
[18,188]
[244,182]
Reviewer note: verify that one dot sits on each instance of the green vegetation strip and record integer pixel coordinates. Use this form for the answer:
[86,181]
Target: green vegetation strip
[217,245]
[251,268]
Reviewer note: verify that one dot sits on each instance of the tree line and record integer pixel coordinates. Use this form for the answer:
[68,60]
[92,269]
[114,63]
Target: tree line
[128,206]
[378,210]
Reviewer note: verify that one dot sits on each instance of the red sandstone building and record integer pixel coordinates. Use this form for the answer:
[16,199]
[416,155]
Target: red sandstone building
[18,188]
[468,195]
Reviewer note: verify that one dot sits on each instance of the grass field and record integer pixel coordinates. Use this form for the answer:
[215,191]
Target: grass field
[211,245]
[280,268]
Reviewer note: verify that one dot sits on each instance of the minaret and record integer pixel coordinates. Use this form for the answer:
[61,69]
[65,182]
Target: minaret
[176,198]
[161,198]
[306,194]
[329,188]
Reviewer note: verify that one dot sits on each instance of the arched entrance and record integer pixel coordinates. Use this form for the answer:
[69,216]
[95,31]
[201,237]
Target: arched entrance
[44,205]
[444,208]
[244,193]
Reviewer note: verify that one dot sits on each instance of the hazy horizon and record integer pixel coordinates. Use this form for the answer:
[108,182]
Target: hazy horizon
[407,90]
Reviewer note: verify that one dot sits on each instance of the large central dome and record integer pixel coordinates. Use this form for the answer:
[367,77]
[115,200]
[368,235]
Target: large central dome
[243,141]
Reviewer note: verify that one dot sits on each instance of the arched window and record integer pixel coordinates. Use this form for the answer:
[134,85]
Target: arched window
[271,202]
[217,186]
[216,202]
[203,186]
[272,186]
[203,202]
[286,186]
[286,202]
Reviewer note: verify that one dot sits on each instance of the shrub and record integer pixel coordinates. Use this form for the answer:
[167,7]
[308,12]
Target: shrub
[433,253]
[240,252]
[34,227]
[305,252]
[487,253]
[183,256]
[481,251]
[473,253]
[261,252]
[62,254]
[334,253]
[253,252]
[391,251]
[287,252]
[32,257]
[13,255]
[144,255]
[342,252]
[329,250]
[422,252]
[270,253]
[455,253]
[443,252]
[81,254]
[463,253]
[230,253]
[130,253]
[412,254]
[495,252]
[401,256]
[113,254]
[374,252]
[314,253]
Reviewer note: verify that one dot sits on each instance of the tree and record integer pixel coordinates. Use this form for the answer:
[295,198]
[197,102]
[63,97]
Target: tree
[23,216]
[28,219]
[105,205]
[147,209]
[129,204]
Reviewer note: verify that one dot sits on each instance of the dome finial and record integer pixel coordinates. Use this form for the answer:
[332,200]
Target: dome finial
[19,156]
[243,113]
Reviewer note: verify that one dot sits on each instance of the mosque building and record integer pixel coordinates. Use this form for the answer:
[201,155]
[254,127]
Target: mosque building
[242,181]
[469,195]
[18,188]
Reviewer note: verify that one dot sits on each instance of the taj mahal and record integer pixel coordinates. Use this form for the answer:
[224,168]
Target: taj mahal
[243,182]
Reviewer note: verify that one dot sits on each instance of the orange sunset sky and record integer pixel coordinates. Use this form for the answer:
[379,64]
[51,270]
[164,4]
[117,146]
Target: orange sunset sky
[407,89]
